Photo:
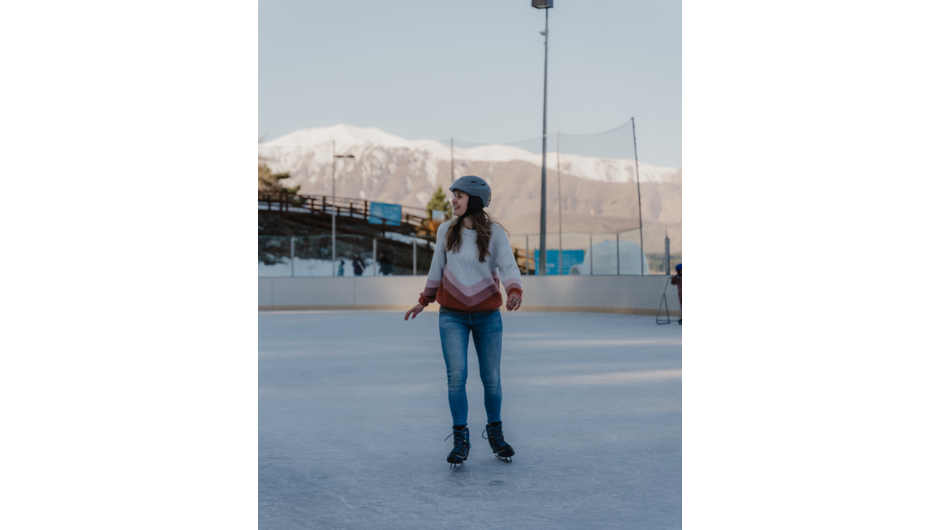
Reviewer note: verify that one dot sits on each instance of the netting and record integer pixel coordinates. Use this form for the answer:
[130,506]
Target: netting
[312,256]
[593,202]
[593,209]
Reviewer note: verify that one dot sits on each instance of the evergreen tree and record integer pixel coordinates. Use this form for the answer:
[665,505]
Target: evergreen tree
[269,182]
[439,202]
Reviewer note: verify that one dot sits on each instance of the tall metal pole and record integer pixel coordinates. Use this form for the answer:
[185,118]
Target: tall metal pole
[591,250]
[618,253]
[542,254]
[668,265]
[333,265]
[639,203]
[558,170]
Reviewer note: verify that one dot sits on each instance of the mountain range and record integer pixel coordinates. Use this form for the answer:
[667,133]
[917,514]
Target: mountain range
[597,194]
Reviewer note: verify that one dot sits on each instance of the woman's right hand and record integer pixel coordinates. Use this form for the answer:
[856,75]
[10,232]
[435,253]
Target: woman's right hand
[416,309]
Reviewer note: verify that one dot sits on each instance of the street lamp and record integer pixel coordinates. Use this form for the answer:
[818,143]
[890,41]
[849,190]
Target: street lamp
[335,156]
[543,259]
[344,172]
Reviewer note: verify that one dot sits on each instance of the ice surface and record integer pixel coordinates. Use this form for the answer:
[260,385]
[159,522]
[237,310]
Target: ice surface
[353,415]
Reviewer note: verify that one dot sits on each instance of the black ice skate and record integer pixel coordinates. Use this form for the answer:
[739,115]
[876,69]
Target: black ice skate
[461,449]
[494,433]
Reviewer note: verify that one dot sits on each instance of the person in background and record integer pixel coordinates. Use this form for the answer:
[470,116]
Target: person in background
[677,281]
[341,271]
[358,265]
[385,264]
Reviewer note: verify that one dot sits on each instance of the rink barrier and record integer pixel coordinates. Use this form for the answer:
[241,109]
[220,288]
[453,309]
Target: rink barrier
[631,295]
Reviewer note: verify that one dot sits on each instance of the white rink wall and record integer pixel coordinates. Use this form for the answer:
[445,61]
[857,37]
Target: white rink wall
[638,295]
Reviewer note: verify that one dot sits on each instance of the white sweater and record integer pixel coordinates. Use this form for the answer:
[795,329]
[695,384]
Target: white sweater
[460,281]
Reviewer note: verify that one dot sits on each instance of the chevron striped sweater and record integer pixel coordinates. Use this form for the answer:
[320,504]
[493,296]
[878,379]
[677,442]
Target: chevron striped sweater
[461,282]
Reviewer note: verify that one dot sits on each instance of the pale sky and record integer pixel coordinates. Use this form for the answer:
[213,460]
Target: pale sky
[435,69]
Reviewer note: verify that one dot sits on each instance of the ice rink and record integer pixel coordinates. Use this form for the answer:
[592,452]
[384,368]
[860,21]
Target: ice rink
[352,416]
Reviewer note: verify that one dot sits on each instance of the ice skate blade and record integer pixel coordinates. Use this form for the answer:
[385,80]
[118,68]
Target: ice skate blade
[459,462]
[507,459]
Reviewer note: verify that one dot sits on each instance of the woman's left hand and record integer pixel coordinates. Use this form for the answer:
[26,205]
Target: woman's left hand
[513,302]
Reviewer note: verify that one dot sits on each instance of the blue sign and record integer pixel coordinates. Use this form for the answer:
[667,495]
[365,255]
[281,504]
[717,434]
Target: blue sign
[389,213]
[569,258]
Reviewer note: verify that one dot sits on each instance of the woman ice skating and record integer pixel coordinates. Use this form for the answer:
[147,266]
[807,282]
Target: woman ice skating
[471,257]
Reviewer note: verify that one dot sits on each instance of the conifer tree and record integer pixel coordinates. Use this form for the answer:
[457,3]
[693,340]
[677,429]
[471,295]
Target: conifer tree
[439,202]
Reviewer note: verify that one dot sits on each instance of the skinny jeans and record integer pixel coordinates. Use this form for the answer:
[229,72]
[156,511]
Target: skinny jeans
[487,331]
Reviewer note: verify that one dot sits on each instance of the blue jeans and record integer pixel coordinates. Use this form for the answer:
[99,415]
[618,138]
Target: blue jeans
[487,329]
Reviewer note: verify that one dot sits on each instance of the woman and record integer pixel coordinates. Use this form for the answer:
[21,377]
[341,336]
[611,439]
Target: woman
[471,257]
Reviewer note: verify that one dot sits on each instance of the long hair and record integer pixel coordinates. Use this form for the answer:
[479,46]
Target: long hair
[482,223]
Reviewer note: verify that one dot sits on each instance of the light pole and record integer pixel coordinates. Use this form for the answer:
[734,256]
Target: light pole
[558,170]
[639,204]
[333,264]
[546,5]
[344,173]
[335,156]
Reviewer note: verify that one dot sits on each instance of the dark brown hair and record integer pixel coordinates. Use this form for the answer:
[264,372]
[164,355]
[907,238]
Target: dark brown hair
[482,223]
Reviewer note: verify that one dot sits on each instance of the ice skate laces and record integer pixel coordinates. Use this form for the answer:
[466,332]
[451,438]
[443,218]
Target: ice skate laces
[495,436]
[460,438]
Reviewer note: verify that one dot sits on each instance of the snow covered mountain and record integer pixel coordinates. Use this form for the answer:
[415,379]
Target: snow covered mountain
[596,193]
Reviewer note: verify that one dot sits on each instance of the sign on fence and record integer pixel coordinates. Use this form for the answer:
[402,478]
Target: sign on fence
[568,259]
[389,213]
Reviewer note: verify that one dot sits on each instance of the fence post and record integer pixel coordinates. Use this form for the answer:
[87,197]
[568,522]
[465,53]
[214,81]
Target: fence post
[526,251]
[334,241]
[375,257]
[618,253]
[291,256]
[414,256]
[591,251]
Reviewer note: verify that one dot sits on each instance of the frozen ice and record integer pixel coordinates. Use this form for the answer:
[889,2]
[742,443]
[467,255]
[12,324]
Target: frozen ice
[353,413]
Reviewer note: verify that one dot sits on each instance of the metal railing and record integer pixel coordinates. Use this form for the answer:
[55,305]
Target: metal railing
[325,205]
[582,253]
[356,255]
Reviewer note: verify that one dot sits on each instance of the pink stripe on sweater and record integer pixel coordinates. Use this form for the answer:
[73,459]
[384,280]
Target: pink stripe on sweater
[468,290]
[469,300]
